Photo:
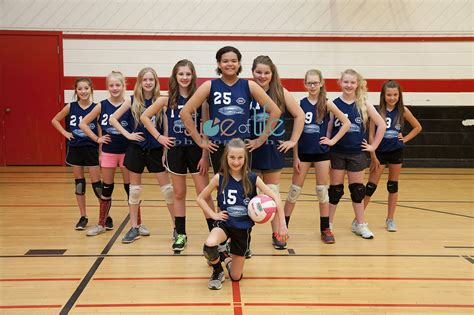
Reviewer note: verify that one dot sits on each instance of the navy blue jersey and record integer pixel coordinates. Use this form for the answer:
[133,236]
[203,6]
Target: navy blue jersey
[230,105]
[76,114]
[351,142]
[118,143]
[390,141]
[312,131]
[149,142]
[176,127]
[232,200]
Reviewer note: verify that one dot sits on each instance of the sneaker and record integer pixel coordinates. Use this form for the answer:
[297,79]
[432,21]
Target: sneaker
[327,237]
[363,231]
[391,226]
[248,254]
[81,224]
[215,282]
[143,231]
[223,251]
[109,224]
[354,226]
[95,230]
[277,244]
[180,242]
[131,236]
[175,234]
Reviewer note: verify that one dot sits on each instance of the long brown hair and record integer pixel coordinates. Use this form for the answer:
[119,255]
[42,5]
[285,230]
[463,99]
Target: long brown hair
[321,105]
[391,84]
[138,106]
[173,86]
[89,82]
[225,169]
[275,89]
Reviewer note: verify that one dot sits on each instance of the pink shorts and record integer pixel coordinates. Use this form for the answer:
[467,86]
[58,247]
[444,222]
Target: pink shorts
[111,159]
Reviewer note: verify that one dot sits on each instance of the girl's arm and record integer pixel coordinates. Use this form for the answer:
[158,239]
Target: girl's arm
[56,121]
[345,125]
[84,125]
[271,108]
[298,122]
[145,118]
[415,125]
[282,230]
[113,119]
[205,194]
[203,165]
[381,126]
[192,105]
[296,160]
[374,162]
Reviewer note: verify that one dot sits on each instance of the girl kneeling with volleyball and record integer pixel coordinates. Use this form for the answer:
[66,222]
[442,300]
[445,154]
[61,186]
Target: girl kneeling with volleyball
[236,185]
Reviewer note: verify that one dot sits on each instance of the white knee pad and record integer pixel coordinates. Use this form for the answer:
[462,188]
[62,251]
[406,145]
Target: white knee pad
[322,193]
[135,191]
[274,188]
[167,191]
[293,193]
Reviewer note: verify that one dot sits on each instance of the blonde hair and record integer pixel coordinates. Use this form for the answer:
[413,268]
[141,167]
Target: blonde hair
[321,105]
[238,144]
[360,94]
[138,105]
[119,76]
[275,89]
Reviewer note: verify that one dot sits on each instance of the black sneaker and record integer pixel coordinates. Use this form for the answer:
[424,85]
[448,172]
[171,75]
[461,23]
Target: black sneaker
[109,223]
[215,282]
[82,223]
[248,254]
[277,244]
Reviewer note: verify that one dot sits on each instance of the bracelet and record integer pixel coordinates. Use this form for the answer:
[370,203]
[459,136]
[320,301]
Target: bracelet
[158,137]
[97,140]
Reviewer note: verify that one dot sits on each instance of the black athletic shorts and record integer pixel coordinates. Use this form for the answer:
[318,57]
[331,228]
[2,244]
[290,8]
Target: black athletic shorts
[82,156]
[355,162]
[239,238]
[183,159]
[137,158]
[216,158]
[314,157]
[392,157]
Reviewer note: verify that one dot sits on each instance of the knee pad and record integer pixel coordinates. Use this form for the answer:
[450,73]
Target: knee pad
[80,186]
[167,191]
[274,188]
[322,193]
[107,190]
[293,193]
[135,191]
[392,186]
[97,187]
[235,280]
[357,192]
[370,189]
[210,252]
[335,193]
[127,189]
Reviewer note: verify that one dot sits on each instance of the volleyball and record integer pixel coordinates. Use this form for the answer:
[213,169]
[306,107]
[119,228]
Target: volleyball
[262,208]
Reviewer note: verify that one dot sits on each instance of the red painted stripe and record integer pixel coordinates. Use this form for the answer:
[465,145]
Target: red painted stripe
[291,278]
[151,304]
[236,299]
[151,278]
[39,279]
[365,305]
[275,38]
[29,306]
[74,205]
[296,85]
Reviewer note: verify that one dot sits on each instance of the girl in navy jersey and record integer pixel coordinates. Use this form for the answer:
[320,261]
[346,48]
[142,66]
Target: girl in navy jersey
[313,147]
[348,154]
[229,100]
[113,147]
[269,159]
[236,185]
[390,150]
[144,149]
[81,150]
[184,155]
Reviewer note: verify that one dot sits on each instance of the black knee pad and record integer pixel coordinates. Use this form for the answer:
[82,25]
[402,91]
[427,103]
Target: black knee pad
[107,190]
[370,189]
[392,186]
[127,190]
[80,186]
[335,193]
[357,192]
[235,280]
[210,252]
[97,187]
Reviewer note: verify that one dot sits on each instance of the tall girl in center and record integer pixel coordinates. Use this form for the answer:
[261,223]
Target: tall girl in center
[269,159]
[349,153]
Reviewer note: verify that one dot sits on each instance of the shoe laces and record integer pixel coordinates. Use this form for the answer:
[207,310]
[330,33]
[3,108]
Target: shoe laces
[181,239]
[215,275]
[328,232]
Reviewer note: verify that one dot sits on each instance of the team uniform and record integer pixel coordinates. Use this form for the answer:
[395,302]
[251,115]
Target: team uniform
[147,153]
[82,151]
[309,148]
[390,149]
[347,153]
[113,153]
[229,110]
[239,225]
[267,157]
[184,156]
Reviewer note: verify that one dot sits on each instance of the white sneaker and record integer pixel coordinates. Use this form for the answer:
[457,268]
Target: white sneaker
[143,231]
[363,231]
[391,226]
[354,226]
[95,230]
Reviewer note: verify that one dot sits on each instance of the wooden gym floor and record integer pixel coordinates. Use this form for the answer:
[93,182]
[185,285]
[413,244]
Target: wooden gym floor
[427,267]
